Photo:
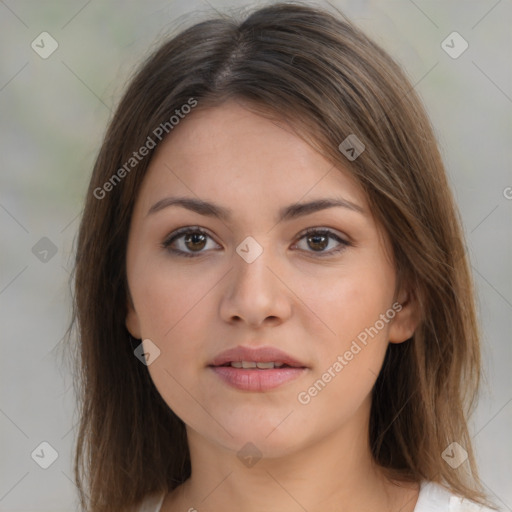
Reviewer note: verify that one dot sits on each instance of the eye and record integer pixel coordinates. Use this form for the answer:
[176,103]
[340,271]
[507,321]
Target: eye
[319,239]
[189,242]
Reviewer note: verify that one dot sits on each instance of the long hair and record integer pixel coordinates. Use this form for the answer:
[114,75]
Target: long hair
[318,71]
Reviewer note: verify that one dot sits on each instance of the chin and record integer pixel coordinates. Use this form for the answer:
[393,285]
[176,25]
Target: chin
[269,436]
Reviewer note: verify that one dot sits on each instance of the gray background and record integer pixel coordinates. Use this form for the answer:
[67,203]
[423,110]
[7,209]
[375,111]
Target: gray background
[53,113]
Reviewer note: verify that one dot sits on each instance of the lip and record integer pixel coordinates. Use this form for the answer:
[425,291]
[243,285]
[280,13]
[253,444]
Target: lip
[258,355]
[258,380]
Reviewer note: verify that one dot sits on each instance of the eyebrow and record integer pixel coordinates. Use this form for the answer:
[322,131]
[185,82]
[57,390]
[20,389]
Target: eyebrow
[287,213]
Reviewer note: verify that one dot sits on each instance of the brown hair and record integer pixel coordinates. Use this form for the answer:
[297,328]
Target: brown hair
[329,80]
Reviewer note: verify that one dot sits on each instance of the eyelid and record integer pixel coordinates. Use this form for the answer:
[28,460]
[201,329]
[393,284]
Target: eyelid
[319,229]
[183,230]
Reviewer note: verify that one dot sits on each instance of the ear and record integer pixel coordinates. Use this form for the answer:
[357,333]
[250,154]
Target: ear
[406,319]
[132,320]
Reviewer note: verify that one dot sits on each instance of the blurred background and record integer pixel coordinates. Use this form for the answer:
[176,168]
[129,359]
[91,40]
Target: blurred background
[63,67]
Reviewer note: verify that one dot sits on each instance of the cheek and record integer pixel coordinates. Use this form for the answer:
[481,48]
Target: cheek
[167,299]
[173,308]
[352,303]
[356,309]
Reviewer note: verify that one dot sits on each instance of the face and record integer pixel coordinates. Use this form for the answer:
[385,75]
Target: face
[316,283]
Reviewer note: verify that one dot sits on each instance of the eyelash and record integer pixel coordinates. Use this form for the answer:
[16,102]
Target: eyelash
[310,231]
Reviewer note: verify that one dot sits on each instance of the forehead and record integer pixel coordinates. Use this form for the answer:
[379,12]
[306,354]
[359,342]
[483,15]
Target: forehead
[229,152]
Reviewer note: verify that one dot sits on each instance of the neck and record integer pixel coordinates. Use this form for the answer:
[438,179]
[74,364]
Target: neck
[335,473]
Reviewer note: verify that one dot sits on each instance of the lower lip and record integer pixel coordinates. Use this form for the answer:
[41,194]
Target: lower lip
[256,379]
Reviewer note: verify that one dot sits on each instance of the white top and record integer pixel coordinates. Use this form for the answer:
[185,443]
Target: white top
[152,503]
[432,498]
[436,498]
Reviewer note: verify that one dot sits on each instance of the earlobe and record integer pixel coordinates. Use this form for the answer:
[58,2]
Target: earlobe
[132,321]
[406,319]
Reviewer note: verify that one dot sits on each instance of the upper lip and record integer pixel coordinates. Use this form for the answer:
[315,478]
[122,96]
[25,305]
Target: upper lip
[257,355]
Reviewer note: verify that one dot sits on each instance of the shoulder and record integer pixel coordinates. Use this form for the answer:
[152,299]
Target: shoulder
[151,503]
[434,497]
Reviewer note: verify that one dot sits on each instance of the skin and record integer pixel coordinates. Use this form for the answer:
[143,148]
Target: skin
[315,456]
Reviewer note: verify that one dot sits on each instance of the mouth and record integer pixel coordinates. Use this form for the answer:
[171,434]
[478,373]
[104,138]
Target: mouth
[255,358]
[256,370]
[257,365]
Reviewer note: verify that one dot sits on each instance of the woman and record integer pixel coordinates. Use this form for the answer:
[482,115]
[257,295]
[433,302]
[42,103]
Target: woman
[274,306]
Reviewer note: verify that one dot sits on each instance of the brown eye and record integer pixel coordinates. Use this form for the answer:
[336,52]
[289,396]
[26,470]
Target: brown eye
[317,240]
[195,241]
[188,242]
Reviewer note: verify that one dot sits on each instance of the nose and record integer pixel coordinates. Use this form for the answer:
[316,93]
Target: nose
[256,293]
